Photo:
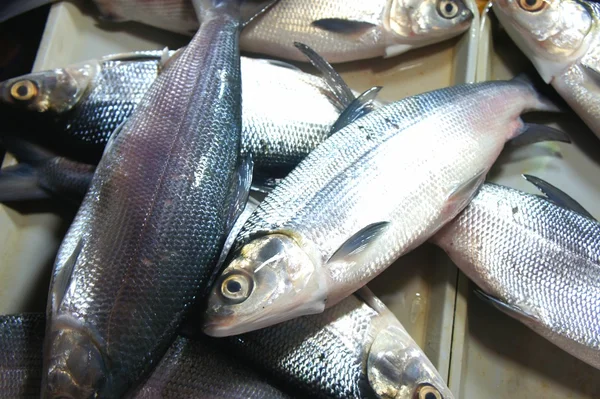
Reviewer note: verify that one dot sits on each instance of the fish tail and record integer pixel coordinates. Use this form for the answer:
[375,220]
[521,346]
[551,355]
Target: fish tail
[248,9]
[544,98]
[12,8]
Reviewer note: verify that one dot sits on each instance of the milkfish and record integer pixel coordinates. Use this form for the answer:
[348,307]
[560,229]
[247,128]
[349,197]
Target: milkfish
[373,191]
[148,235]
[536,259]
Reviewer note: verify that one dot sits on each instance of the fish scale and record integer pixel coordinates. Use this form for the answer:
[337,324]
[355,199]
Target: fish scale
[535,255]
[362,199]
[188,367]
[151,227]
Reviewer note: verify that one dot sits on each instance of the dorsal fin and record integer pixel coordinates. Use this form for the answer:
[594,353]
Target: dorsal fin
[358,108]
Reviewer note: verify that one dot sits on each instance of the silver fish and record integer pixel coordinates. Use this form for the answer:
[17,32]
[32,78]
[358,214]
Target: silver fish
[148,235]
[356,349]
[538,262]
[562,39]
[286,112]
[340,31]
[188,368]
[373,191]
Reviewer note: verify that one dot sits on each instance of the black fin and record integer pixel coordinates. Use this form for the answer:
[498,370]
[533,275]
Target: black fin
[592,72]
[534,133]
[511,310]
[338,86]
[26,151]
[558,196]
[359,241]
[345,26]
[20,183]
[12,8]
[358,108]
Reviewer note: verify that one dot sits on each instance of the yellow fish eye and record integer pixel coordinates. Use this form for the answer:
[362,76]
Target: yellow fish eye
[447,8]
[532,5]
[24,90]
[427,391]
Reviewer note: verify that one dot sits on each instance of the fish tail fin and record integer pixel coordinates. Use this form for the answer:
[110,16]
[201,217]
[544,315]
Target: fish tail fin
[12,8]
[248,9]
[545,100]
[25,151]
[20,183]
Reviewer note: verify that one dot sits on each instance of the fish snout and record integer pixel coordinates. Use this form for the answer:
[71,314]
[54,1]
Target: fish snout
[76,367]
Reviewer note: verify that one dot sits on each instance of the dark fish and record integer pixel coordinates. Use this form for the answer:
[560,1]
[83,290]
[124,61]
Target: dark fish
[188,369]
[148,235]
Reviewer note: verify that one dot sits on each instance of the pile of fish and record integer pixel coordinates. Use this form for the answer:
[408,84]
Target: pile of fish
[232,209]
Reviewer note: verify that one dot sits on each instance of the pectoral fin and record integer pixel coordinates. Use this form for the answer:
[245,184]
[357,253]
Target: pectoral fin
[517,312]
[358,242]
[343,26]
[62,277]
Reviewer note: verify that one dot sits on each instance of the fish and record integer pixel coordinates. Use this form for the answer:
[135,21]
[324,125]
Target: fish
[145,241]
[562,40]
[373,191]
[356,349]
[74,110]
[188,367]
[340,31]
[534,258]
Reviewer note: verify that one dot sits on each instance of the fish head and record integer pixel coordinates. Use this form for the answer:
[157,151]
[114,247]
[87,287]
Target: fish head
[51,92]
[398,368]
[417,23]
[552,33]
[270,280]
[75,366]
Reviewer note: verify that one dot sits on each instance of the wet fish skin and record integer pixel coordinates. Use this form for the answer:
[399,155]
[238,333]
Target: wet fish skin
[130,266]
[537,256]
[338,30]
[286,112]
[355,349]
[562,39]
[362,199]
[188,368]
[21,338]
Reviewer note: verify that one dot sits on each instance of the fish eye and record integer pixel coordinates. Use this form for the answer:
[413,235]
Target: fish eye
[236,288]
[426,391]
[532,5]
[447,8]
[24,90]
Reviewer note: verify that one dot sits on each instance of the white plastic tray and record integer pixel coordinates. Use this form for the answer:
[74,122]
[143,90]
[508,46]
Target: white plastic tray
[494,356]
[419,289]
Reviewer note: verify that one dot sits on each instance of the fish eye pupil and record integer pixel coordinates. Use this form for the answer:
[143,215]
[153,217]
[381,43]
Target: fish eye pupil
[22,90]
[530,3]
[449,8]
[233,286]
[430,395]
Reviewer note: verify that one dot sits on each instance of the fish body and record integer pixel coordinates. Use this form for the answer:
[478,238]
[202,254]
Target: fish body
[356,349]
[131,264]
[540,260]
[188,367]
[562,39]
[362,199]
[340,31]
[286,112]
